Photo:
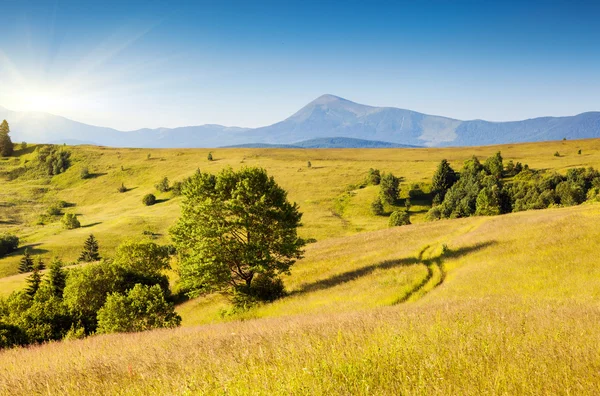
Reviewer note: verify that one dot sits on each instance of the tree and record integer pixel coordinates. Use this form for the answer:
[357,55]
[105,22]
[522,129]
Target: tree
[57,278]
[233,227]
[399,218]
[389,188]
[39,264]
[122,188]
[90,250]
[70,221]
[8,244]
[493,165]
[443,178]
[6,145]
[34,281]
[308,164]
[26,263]
[149,199]
[142,256]
[85,173]
[143,308]
[210,157]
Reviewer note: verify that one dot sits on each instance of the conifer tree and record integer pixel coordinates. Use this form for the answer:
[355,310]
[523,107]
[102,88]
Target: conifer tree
[26,263]
[443,178]
[90,250]
[6,145]
[34,281]
[57,278]
[39,264]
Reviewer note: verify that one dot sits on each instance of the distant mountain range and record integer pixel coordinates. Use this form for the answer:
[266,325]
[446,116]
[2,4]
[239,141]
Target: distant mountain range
[328,121]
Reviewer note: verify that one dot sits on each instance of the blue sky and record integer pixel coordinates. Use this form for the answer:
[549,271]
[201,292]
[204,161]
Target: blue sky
[132,64]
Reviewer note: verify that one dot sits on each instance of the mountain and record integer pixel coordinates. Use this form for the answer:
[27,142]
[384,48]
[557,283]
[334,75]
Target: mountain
[327,117]
[334,142]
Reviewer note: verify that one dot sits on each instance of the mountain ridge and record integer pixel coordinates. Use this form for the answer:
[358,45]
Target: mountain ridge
[325,117]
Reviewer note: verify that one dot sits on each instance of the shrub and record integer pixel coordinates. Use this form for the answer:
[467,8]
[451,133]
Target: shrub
[8,244]
[308,164]
[374,177]
[210,157]
[149,199]
[142,256]
[70,221]
[557,154]
[122,188]
[54,209]
[389,188]
[142,308]
[399,218]
[85,173]
[163,185]
[377,207]
[579,152]
[52,159]
[176,188]
[263,289]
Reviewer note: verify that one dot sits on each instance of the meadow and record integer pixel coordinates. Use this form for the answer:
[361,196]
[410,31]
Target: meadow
[509,306]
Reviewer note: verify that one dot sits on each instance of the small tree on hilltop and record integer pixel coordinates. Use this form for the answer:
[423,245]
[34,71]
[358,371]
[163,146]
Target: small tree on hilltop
[6,145]
[235,227]
[90,250]
[26,263]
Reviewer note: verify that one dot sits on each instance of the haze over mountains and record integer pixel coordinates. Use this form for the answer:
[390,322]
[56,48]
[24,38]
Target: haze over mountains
[315,125]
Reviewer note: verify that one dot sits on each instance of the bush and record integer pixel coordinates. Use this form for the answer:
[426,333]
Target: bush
[8,244]
[143,308]
[163,185]
[374,177]
[122,188]
[149,199]
[308,164]
[210,157]
[52,159]
[85,173]
[557,154]
[54,210]
[399,218]
[377,207]
[70,221]
[389,188]
[176,188]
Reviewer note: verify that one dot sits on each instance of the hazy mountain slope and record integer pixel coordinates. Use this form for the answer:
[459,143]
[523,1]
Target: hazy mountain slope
[330,142]
[325,117]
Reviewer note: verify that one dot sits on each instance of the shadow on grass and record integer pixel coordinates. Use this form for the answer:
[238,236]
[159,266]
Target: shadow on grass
[91,224]
[158,201]
[95,175]
[385,265]
[33,249]
[20,152]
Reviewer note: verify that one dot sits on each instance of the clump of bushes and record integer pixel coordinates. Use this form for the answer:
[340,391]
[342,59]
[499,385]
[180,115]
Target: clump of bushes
[8,244]
[399,218]
[70,221]
[53,159]
[149,199]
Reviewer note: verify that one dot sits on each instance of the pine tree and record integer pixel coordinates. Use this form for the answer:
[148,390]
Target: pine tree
[443,178]
[57,278]
[6,145]
[34,280]
[39,264]
[26,263]
[90,250]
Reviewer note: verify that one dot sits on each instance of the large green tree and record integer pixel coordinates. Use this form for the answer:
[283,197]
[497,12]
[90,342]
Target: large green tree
[235,227]
[6,145]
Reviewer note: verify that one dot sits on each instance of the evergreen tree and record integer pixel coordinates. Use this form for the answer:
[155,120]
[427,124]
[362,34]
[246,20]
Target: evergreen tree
[39,264]
[34,281]
[377,207]
[90,250]
[494,165]
[57,278]
[26,263]
[443,178]
[6,145]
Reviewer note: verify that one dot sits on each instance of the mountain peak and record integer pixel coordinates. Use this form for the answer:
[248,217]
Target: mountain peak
[328,98]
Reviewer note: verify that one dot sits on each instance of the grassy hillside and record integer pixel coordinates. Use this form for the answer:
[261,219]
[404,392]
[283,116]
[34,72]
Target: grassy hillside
[511,308]
[331,206]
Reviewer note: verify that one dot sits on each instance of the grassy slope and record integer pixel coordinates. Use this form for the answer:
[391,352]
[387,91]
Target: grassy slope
[112,216]
[516,313]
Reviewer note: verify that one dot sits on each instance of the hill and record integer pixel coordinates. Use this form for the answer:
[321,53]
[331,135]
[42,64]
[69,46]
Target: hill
[324,117]
[488,317]
[330,142]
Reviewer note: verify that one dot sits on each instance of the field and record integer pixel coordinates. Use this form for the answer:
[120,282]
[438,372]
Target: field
[511,307]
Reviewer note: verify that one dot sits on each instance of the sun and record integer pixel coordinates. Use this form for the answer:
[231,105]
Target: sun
[41,101]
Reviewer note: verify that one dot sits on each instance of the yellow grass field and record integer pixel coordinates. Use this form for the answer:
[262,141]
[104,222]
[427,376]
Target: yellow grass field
[512,307]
